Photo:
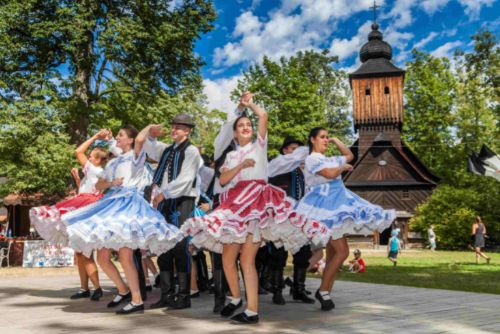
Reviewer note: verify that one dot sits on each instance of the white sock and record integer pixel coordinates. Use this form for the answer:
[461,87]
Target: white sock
[250,313]
[194,291]
[235,301]
[83,290]
[325,295]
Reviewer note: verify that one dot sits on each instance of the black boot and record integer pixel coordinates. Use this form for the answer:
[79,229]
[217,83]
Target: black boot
[167,290]
[201,271]
[278,285]
[265,281]
[220,292]
[299,286]
[183,298]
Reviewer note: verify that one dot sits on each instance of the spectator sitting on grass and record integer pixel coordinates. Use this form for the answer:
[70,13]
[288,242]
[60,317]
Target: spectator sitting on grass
[393,247]
[357,265]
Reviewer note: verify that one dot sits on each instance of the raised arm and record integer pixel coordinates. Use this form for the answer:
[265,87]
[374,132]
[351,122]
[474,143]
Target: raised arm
[80,150]
[142,136]
[332,173]
[225,135]
[247,101]
[151,145]
[344,150]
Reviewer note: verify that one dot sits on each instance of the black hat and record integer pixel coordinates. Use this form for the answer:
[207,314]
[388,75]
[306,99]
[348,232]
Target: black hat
[183,119]
[290,140]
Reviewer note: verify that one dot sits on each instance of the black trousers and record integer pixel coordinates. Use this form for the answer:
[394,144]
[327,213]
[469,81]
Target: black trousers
[176,211]
[277,257]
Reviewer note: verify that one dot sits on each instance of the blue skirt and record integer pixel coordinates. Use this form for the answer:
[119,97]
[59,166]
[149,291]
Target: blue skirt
[122,218]
[342,211]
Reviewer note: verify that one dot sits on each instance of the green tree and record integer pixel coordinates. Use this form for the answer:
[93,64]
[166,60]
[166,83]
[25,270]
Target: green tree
[299,93]
[430,94]
[102,54]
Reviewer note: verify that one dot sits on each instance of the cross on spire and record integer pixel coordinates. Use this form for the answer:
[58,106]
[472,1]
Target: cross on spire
[375,7]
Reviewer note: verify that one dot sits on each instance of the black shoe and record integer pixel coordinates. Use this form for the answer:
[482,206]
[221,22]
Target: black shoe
[81,294]
[149,288]
[278,298]
[229,309]
[96,295]
[308,292]
[183,298]
[299,286]
[119,299]
[242,318]
[326,304]
[130,308]
[165,301]
[195,295]
[167,297]
[219,304]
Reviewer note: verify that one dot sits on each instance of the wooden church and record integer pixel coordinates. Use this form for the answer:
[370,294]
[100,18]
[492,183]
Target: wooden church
[386,172]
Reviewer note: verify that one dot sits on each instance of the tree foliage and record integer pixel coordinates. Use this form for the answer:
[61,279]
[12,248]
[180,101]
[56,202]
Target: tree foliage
[299,93]
[102,54]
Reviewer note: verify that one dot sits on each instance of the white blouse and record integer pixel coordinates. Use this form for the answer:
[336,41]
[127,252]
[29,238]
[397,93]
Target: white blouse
[316,162]
[255,150]
[126,166]
[92,173]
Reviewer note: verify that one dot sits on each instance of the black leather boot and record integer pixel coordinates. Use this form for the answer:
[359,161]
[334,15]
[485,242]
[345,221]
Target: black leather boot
[265,281]
[167,297]
[220,292]
[183,298]
[201,271]
[299,286]
[277,286]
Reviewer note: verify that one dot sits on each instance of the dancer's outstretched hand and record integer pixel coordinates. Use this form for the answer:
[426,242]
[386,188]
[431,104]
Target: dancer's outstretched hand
[156,130]
[157,200]
[246,99]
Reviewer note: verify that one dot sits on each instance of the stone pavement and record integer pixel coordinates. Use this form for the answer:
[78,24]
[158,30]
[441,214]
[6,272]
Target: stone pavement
[40,304]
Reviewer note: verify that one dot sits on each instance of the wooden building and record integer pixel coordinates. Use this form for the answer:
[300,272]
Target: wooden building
[386,172]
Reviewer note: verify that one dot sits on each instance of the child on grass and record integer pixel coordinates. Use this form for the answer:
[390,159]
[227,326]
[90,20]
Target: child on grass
[357,265]
[393,247]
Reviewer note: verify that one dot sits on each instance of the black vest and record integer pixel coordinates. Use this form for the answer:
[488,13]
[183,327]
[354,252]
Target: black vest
[293,183]
[172,158]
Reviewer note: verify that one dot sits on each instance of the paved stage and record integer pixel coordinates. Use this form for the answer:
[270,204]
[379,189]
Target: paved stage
[40,304]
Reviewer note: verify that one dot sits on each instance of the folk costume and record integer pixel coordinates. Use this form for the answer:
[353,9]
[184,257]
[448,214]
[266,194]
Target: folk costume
[175,177]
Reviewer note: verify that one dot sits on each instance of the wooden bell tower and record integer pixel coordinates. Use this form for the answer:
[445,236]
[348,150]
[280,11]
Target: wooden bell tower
[377,90]
[385,171]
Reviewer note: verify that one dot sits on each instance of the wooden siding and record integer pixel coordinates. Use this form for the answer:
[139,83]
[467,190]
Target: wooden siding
[394,198]
[378,107]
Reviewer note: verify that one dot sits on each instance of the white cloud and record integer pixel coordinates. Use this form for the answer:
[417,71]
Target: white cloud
[296,25]
[345,48]
[432,6]
[218,93]
[473,7]
[445,50]
[423,42]
[401,13]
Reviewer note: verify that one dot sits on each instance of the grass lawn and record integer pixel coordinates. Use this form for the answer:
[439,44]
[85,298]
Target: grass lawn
[438,270]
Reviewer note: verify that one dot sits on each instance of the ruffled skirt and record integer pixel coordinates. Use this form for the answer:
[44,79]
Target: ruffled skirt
[122,218]
[251,207]
[47,219]
[342,212]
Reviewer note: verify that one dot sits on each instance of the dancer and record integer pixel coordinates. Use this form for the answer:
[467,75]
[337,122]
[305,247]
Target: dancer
[337,208]
[250,211]
[293,183]
[47,220]
[174,195]
[122,220]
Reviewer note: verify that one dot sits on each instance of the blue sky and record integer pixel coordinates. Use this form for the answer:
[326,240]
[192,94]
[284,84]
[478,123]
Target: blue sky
[246,30]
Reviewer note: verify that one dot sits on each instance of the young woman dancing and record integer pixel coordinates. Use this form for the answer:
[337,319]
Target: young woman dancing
[250,211]
[338,209]
[122,220]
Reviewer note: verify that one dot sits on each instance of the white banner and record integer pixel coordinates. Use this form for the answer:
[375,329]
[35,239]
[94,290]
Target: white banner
[41,253]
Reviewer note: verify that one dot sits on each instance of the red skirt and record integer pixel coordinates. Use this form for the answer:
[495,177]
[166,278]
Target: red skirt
[47,219]
[251,207]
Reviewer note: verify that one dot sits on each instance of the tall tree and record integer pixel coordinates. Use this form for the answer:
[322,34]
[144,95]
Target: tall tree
[430,93]
[98,50]
[299,93]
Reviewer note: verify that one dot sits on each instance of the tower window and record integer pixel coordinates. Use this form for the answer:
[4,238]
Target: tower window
[386,90]
[367,91]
